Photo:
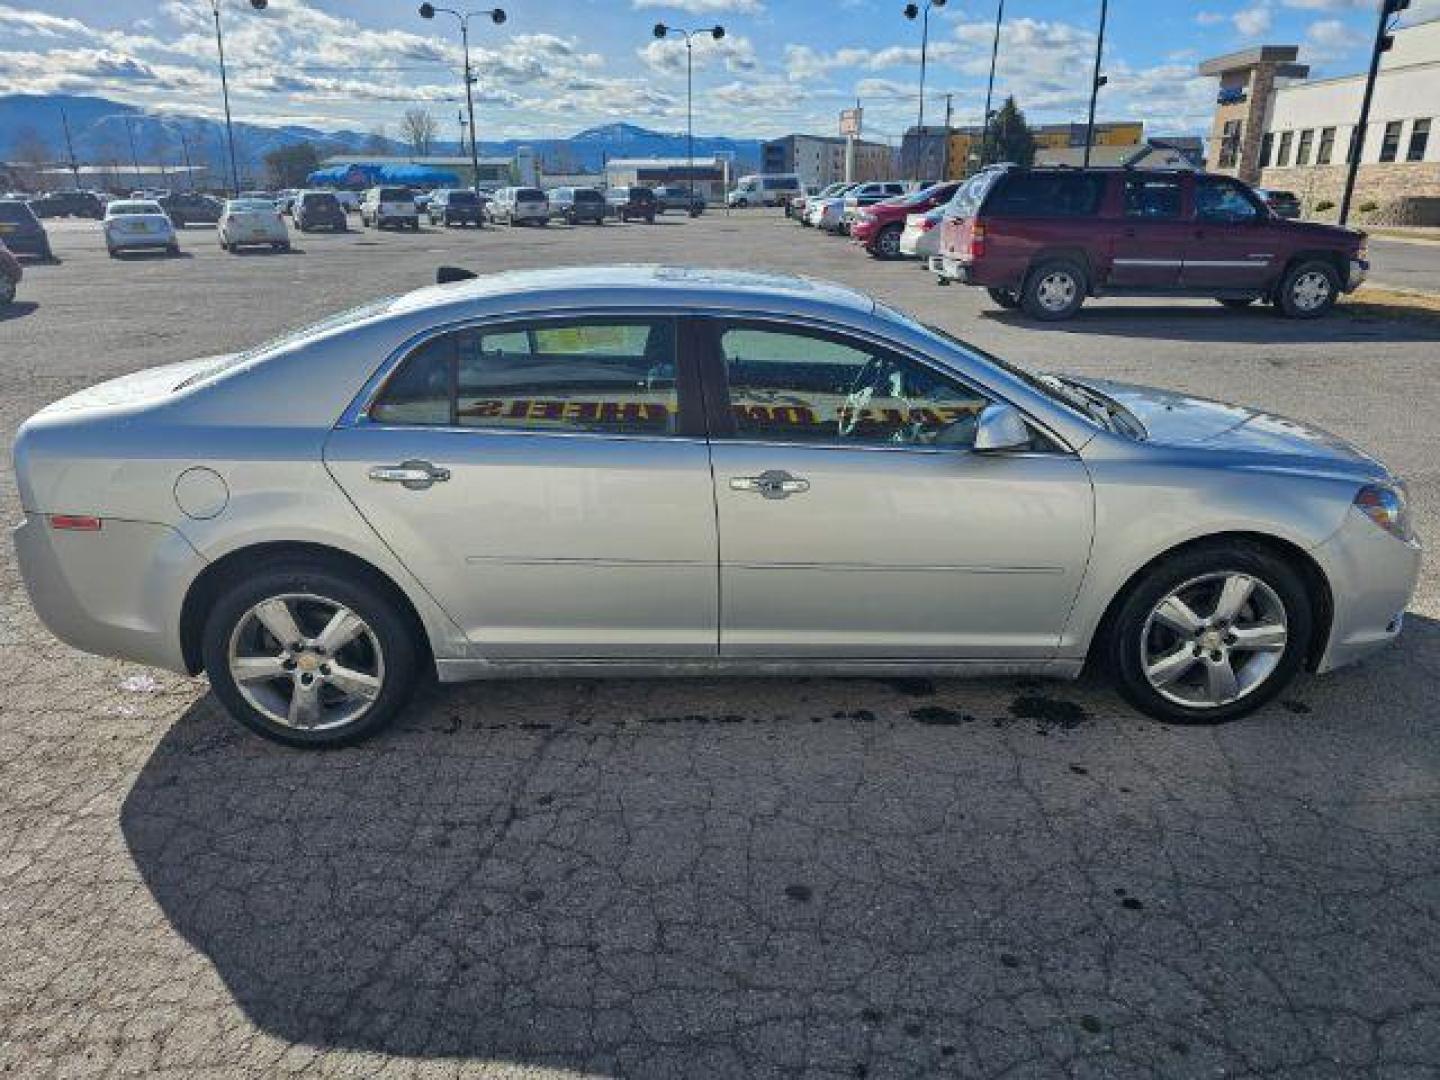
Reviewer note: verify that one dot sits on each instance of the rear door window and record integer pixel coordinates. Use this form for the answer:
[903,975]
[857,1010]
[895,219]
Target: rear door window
[1046,195]
[1223,201]
[1152,198]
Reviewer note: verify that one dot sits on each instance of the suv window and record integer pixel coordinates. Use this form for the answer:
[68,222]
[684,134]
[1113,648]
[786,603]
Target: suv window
[587,195]
[607,376]
[803,387]
[319,201]
[1221,200]
[1154,198]
[529,194]
[394,194]
[1046,195]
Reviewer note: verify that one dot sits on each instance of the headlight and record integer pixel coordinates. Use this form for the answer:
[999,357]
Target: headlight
[1386,506]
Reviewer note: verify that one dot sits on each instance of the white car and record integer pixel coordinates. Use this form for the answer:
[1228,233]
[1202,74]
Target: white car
[350,200]
[252,223]
[519,205]
[138,224]
[921,237]
[828,215]
[389,207]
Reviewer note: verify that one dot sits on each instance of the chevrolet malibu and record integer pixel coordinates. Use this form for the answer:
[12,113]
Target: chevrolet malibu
[653,470]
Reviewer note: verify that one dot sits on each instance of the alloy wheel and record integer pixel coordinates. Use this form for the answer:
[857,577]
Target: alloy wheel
[306,662]
[1056,291]
[1214,639]
[1310,290]
[888,243]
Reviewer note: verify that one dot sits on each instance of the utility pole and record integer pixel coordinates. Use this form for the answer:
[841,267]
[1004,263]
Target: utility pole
[185,151]
[990,86]
[945,157]
[70,149]
[134,157]
[1096,82]
[1383,41]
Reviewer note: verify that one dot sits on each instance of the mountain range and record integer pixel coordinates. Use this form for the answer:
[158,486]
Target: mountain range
[104,131]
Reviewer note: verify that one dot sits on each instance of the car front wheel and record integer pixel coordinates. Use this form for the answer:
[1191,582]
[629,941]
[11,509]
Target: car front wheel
[1210,634]
[1309,290]
[309,656]
[1054,290]
[887,244]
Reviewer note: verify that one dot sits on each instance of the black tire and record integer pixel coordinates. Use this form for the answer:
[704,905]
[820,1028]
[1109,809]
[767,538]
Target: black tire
[886,244]
[1127,629]
[393,631]
[172,250]
[1039,297]
[1008,299]
[1237,303]
[8,288]
[1308,290]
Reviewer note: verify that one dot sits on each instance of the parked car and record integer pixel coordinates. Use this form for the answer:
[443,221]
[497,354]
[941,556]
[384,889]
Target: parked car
[763,189]
[519,206]
[455,206]
[828,215]
[809,212]
[499,495]
[1285,204]
[10,274]
[878,226]
[863,195]
[349,200]
[631,203]
[252,223]
[83,204]
[576,204]
[1045,239]
[921,236]
[678,197]
[138,225]
[422,200]
[22,231]
[190,208]
[795,204]
[319,210]
[389,208]
[285,200]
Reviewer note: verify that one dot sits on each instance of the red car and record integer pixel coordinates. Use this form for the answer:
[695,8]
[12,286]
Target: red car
[10,275]
[879,227]
[1045,239]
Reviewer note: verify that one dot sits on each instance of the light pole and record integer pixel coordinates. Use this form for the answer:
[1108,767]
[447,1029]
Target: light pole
[497,16]
[990,86]
[1383,41]
[1096,82]
[717,32]
[913,11]
[258,5]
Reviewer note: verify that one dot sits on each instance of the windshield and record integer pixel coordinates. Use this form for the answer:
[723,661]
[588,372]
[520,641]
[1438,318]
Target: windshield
[331,322]
[915,198]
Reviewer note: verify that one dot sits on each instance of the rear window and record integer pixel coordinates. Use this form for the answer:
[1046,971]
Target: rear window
[247,206]
[642,194]
[965,202]
[461,198]
[588,195]
[394,194]
[117,209]
[1046,195]
[321,202]
[529,194]
[16,211]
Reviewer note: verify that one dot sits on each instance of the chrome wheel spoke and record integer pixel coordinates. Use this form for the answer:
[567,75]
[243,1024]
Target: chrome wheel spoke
[1168,668]
[344,627]
[354,682]
[258,668]
[1263,637]
[276,616]
[305,704]
[1233,596]
[1221,683]
[1176,614]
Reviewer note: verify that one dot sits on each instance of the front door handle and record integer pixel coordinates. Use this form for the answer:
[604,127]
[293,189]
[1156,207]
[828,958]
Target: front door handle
[772,484]
[414,475]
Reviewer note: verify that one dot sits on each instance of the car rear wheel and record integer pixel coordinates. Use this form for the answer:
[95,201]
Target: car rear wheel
[1054,290]
[887,243]
[1210,634]
[1309,290]
[308,656]
[1008,299]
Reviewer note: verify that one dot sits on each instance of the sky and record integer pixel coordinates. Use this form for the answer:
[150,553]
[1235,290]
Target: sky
[557,66]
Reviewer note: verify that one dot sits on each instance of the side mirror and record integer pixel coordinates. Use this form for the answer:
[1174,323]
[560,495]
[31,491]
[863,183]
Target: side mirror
[1000,428]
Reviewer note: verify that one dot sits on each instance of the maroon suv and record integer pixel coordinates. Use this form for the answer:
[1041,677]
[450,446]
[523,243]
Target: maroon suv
[879,227]
[1044,239]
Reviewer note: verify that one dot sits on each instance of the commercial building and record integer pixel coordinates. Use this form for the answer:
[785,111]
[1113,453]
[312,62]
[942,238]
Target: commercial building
[820,159]
[1051,142]
[712,175]
[1277,128]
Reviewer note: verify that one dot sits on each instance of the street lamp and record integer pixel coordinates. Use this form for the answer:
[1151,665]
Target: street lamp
[1096,82]
[912,12]
[497,16]
[990,86]
[258,5]
[717,32]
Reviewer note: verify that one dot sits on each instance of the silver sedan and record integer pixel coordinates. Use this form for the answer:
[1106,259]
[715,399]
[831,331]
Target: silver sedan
[632,470]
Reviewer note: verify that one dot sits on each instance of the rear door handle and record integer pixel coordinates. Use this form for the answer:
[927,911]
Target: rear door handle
[772,484]
[414,475]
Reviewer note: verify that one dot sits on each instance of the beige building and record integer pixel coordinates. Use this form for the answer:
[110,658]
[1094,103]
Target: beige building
[1276,128]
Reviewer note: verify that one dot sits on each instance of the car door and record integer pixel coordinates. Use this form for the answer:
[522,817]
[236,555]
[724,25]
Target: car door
[855,520]
[1233,244]
[1149,237]
[548,482]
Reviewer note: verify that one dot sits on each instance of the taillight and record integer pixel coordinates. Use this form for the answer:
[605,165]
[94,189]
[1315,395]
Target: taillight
[977,240]
[926,224]
[75,522]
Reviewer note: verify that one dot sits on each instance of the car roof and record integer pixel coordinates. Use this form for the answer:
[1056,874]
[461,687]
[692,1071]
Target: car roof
[643,285]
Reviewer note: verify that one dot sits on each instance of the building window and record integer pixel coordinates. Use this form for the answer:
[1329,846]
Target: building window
[1390,143]
[1230,143]
[1327,146]
[1302,153]
[1419,139]
[1282,159]
[1267,148]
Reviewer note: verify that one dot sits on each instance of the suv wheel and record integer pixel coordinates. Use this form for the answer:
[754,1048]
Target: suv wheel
[887,243]
[1008,299]
[1210,634]
[1054,290]
[1309,290]
[307,656]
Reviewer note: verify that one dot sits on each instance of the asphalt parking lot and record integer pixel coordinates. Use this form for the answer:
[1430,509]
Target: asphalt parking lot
[743,878]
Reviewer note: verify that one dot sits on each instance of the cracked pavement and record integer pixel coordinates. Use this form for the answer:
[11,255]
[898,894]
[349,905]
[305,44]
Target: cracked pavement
[758,878]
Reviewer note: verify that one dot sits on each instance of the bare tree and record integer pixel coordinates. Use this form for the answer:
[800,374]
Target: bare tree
[418,128]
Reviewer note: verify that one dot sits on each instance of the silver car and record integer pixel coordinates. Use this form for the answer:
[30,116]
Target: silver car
[650,470]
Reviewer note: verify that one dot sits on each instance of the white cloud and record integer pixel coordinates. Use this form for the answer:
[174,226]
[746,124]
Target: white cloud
[1209,18]
[38,24]
[1328,5]
[705,7]
[667,55]
[1252,22]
